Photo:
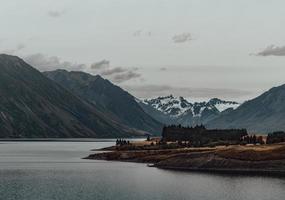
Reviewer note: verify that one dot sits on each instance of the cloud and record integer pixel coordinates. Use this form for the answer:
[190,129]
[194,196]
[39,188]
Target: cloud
[47,63]
[139,33]
[18,48]
[55,13]
[272,50]
[103,68]
[163,69]
[181,38]
[101,64]
[149,91]
[115,70]
[115,74]
[126,76]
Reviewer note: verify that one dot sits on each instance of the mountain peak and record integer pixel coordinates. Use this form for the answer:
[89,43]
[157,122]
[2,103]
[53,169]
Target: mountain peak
[31,105]
[7,56]
[109,98]
[61,71]
[262,114]
[179,106]
[100,78]
[5,59]
[215,100]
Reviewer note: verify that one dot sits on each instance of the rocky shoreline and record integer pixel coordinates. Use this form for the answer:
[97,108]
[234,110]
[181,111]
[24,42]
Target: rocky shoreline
[235,159]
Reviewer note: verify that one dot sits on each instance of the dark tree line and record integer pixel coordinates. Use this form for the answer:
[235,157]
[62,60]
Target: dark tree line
[121,142]
[275,137]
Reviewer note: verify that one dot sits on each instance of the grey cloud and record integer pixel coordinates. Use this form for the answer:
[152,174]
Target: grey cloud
[55,13]
[272,50]
[163,69]
[181,38]
[149,91]
[46,63]
[18,48]
[139,33]
[119,78]
[115,70]
[115,74]
[49,63]
[101,64]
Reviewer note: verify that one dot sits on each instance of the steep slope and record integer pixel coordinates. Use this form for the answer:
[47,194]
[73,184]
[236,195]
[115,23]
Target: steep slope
[265,113]
[32,105]
[156,114]
[109,97]
[177,110]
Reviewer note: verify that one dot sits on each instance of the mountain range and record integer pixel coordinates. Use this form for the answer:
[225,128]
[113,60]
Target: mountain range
[32,105]
[263,114]
[177,110]
[77,104]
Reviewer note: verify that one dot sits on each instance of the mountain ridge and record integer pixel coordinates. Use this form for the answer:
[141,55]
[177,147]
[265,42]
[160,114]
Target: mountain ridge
[263,114]
[178,110]
[108,97]
[32,105]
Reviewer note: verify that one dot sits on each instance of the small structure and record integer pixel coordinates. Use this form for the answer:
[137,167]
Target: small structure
[200,136]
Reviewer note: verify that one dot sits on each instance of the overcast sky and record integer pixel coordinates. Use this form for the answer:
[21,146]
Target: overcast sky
[195,48]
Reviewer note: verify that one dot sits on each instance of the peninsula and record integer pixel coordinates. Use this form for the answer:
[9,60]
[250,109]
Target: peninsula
[199,149]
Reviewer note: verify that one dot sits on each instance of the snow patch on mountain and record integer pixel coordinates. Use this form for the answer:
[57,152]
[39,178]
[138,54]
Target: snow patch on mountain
[174,106]
[223,107]
[178,106]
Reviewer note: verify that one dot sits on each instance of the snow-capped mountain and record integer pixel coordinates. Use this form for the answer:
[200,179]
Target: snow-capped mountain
[222,105]
[179,110]
[170,105]
[177,106]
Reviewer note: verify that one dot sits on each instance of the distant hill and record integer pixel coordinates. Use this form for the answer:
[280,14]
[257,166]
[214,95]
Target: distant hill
[110,98]
[31,105]
[265,113]
[177,110]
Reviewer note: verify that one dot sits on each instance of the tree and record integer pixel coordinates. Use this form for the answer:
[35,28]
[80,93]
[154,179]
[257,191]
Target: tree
[254,139]
[148,138]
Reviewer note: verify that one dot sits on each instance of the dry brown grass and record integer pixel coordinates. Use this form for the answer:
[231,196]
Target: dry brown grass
[254,153]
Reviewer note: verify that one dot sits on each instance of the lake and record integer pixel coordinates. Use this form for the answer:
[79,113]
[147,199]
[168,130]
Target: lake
[48,170]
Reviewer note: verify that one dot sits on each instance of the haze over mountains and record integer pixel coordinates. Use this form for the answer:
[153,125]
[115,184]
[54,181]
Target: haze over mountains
[76,104]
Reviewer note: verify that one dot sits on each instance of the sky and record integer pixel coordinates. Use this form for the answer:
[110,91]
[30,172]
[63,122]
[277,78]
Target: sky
[198,49]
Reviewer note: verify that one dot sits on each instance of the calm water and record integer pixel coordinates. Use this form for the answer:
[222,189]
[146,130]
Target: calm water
[54,170]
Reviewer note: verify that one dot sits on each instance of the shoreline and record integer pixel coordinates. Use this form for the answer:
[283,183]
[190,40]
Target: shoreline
[241,172]
[265,160]
[63,139]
